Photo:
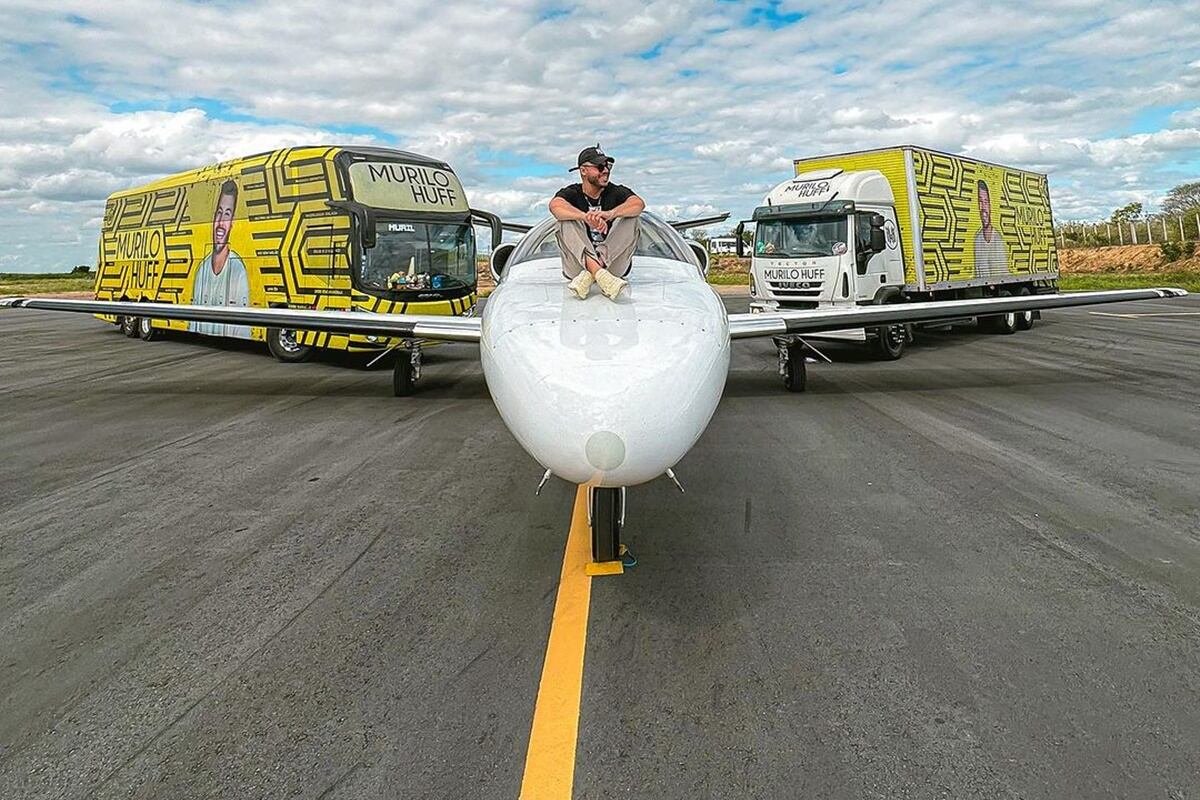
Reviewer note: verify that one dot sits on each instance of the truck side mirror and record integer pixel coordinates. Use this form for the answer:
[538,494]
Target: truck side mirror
[368,222]
[878,240]
[740,245]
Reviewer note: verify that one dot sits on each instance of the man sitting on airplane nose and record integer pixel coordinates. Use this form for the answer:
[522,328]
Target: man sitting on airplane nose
[598,226]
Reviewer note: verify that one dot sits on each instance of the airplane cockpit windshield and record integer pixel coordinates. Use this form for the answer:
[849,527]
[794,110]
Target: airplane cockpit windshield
[656,238]
[419,256]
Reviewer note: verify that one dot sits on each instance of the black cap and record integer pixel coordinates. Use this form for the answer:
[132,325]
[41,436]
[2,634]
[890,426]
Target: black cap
[592,155]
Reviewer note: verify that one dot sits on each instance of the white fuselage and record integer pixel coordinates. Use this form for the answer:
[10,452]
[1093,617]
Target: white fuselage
[599,392]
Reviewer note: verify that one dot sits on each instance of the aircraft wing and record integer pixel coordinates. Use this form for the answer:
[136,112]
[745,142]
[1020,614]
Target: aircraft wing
[414,326]
[744,326]
[683,224]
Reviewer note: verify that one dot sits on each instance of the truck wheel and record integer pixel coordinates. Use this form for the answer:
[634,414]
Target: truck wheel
[889,342]
[404,383]
[1024,318]
[130,326]
[147,331]
[795,371]
[283,345]
[1003,324]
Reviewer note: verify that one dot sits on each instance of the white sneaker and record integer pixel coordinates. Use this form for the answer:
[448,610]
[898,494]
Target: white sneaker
[581,284]
[610,284]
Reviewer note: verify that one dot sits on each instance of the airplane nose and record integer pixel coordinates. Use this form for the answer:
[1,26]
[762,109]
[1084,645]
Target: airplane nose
[608,407]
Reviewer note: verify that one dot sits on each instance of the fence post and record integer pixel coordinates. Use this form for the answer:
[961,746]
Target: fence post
[1107,233]
[1120,233]
[1163,220]
[1181,236]
[1132,232]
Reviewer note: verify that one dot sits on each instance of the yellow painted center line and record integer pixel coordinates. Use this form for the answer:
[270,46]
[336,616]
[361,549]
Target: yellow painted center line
[1136,314]
[550,760]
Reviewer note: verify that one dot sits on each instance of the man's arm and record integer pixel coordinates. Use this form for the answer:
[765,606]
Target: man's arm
[632,207]
[562,211]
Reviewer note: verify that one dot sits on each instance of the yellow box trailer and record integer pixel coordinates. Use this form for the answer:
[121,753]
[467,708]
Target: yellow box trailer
[339,228]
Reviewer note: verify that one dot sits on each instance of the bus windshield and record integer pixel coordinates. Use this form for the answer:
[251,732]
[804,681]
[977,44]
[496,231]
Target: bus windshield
[419,256]
[798,238]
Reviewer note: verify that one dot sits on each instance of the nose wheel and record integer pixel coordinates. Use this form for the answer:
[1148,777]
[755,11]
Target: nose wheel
[606,512]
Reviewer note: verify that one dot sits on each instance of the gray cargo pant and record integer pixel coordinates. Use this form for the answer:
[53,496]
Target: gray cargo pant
[615,252]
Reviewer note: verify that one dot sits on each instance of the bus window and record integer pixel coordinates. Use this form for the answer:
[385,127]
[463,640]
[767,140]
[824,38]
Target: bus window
[419,256]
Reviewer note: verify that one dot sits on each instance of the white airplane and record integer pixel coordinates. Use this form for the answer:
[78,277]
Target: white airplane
[601,393]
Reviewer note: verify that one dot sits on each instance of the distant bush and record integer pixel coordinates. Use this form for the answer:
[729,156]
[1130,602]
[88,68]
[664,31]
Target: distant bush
[1173,251]
[82,269]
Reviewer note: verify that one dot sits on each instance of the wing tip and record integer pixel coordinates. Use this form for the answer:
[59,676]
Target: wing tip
[1173,292]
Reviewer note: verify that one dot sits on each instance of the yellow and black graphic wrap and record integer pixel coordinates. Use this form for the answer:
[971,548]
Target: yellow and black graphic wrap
[296,248]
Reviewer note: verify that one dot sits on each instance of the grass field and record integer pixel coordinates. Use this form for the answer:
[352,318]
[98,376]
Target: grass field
[45,283]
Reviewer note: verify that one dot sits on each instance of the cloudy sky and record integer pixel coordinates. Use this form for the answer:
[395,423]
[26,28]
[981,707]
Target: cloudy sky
[703,104]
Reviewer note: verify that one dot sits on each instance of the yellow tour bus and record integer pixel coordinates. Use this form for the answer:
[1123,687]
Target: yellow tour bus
[337,228]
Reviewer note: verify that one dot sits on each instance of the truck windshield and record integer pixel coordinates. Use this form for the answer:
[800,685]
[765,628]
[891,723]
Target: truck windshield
[419,256]
[796,238]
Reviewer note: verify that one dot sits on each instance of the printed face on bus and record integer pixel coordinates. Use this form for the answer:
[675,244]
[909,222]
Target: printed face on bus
[223,221]
[985,206]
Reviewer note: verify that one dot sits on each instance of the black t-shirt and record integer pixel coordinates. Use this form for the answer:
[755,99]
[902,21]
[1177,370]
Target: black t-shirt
[611,196]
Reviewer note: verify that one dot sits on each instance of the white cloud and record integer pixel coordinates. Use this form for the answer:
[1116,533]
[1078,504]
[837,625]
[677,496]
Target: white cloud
[711,121]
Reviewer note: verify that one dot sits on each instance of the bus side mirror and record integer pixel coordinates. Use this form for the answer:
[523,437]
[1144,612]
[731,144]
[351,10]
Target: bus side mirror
[493,223]
[367,220]
[740,245]
[499,259]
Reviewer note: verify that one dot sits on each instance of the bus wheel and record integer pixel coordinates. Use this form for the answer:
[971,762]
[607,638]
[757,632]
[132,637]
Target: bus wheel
[129,327]
[283,345]
[147,330]
[1024,318]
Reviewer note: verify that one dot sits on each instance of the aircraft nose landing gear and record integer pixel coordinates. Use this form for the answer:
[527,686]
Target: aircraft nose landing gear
[606,515]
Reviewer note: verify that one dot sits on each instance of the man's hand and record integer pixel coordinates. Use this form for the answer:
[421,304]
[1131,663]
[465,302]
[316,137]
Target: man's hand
[597,221]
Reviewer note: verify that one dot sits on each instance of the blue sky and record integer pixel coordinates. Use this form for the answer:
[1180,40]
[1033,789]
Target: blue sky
[704,105]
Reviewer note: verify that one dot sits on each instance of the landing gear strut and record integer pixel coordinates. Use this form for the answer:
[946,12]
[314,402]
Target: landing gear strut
[606,512]
[791,364]
[406,370]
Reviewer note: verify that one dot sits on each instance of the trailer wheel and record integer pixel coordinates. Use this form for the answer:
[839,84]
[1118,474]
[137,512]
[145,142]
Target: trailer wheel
[404,382]
[147,330]
[130,327]
[795,371]
[1024,318]
[607,512]
[283,345]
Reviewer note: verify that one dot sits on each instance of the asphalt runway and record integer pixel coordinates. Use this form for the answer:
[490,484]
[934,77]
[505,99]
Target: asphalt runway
[974,572]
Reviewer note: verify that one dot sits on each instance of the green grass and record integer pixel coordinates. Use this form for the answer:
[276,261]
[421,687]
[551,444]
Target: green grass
[729,278]
[1096,281]
[47,283]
